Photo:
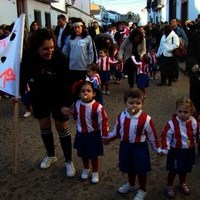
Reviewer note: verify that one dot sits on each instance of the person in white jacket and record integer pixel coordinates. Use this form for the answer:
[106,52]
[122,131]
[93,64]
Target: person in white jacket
[168,43]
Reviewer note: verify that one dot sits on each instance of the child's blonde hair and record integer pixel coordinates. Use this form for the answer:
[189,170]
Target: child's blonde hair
[187,102]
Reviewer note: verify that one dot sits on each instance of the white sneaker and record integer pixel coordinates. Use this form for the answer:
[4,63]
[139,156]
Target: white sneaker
[85,173]
[95,177]
[27,114]
[125,188]
[140,195]
[108,92]
[70,170]
[47,162]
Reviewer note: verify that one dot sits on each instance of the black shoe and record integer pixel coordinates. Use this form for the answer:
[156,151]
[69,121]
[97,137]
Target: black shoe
[169,84]
[161,84]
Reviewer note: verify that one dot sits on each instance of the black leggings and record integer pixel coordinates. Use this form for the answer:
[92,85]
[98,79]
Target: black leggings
[167,69]
[130,69]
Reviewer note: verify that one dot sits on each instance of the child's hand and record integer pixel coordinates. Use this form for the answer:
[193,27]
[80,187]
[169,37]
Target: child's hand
[65,111]
[161,154]
[106,141]
[72,108]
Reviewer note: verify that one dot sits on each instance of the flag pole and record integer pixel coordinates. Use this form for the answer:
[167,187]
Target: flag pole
[15,137]
[16,110]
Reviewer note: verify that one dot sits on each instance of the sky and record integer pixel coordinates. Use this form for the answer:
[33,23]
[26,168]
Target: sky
[122,6]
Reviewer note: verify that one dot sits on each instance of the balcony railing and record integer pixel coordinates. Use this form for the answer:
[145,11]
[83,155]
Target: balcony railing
[48,1]
[160,3]
[157,4]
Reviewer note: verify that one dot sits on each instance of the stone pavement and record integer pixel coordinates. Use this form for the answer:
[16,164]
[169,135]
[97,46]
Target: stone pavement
[32,183]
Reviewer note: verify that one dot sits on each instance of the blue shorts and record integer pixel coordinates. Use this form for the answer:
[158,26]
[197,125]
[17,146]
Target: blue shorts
[88,145]
[134,158]
[104,76]
[143,81]
[152,67]
[180,160]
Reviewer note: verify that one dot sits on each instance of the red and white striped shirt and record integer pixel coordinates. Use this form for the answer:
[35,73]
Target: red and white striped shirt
[95,80]
[126,31]
[142,68]
[153,58]
[104,63]
[91,117]
[119,66]
[179,134]
[135,129]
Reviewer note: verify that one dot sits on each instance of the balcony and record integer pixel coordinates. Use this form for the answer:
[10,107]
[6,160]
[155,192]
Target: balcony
[149,2]
[160,3]
[157,4]
[48,1]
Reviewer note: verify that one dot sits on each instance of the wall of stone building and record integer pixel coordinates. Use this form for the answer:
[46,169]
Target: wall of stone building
[8,11]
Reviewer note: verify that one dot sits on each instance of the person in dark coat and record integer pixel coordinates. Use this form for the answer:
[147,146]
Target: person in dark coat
[95,29]
[44,69]
[62,31]
[104,40]
[193,67]
[193,64]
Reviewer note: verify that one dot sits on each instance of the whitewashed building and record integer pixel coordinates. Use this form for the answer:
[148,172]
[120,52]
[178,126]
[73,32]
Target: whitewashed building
[45,12]
[80,8]
[165,10]
[8,11]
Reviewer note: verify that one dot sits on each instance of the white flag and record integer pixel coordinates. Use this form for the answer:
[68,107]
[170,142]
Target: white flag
[10,58]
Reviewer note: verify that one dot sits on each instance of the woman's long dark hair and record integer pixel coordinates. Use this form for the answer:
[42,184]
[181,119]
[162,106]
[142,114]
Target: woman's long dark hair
[134,33]
[31,26]
[38,37]
[167,30]
[84,30]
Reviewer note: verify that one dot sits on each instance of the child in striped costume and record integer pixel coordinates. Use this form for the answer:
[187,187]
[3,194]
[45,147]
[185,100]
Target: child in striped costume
[118,66]
[92,124]
[118,72]
[142,72]
[94,78]
[178,142]
[153,64]
[104,62]
[134,128]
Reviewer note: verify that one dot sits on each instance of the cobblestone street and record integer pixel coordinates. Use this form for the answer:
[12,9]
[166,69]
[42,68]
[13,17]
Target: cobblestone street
[32,183]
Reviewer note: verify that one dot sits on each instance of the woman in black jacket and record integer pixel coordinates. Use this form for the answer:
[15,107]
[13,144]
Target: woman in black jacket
[44,69]
[193,67]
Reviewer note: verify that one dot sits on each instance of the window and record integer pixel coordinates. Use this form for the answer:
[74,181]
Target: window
[47,20]
[37,17]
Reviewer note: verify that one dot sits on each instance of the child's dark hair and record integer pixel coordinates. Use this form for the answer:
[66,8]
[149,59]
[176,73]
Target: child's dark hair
[86,83]
[187,102]
[152,49]
[115,46]
[133,93]
[76,87]
[146,58]
[104,50]
[93,66]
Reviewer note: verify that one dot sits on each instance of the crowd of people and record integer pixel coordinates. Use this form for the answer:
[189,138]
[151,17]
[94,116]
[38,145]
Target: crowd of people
[67,71]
